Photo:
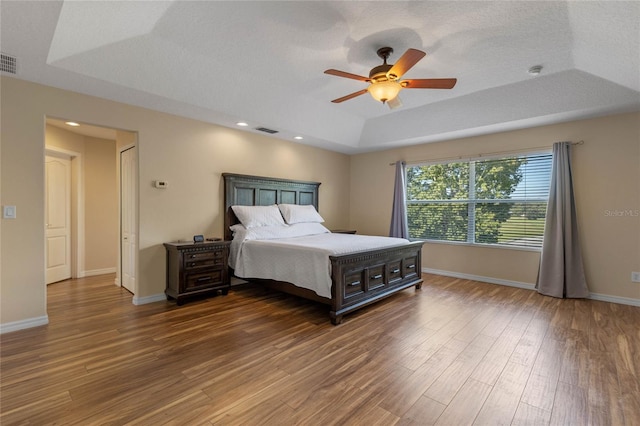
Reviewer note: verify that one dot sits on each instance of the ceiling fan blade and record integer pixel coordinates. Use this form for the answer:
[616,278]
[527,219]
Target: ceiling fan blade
[394,103]
[347,75]
[352,95]
[406,61]
[429,83]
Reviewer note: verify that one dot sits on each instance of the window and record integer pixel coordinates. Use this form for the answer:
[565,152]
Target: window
[481,201]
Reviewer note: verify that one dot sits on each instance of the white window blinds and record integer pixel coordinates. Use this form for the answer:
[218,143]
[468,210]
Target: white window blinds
[482,201]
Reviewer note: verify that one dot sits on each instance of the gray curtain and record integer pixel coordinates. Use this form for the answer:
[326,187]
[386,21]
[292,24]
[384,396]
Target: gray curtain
[561,270]
[399,227]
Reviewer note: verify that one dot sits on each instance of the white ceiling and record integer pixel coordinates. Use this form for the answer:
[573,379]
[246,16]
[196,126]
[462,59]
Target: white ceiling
[262,62]
[84,129]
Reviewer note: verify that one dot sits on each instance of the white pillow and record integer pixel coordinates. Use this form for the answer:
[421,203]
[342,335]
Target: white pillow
[256,216]
[294,213]
[237,227]
[307,228]
[277,232]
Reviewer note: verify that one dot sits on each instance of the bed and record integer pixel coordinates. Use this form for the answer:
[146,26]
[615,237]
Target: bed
[356,278]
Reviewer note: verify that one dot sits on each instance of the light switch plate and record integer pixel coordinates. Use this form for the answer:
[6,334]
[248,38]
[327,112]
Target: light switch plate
[9,212]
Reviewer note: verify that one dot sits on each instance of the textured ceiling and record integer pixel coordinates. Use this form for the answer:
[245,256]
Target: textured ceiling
[263,62]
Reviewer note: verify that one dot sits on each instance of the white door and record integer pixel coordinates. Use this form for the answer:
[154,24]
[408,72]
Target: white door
[57,218]
[128,185]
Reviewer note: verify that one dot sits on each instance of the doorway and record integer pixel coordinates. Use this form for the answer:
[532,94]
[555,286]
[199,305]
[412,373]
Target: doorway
[96,218]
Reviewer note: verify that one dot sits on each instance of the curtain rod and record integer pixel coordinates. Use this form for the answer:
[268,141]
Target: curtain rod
[486,154]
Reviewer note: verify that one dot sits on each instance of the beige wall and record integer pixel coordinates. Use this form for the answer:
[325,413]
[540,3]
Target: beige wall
[606,179]
[189,154]
[56,137]
[101,205]
[99,209]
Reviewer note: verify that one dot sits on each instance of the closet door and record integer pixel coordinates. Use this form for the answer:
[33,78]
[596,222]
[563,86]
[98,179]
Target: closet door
[128,185]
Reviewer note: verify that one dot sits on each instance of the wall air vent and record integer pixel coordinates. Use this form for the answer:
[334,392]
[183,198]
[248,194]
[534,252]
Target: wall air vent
[8,63]
[264,129]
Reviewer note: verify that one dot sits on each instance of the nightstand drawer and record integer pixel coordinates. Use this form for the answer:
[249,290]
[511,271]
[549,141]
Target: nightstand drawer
[202,260]
[204,279]
[195,255]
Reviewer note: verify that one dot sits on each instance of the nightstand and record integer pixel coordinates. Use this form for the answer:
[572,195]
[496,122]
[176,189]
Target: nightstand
[343,231]
[195,269]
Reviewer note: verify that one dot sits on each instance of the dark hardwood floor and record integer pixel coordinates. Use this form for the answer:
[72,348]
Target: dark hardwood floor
[456,352]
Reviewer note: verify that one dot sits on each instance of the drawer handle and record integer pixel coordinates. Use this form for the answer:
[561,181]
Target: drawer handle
[355,283]
[376,277]
[395,271]
[202,279]
[193,256]
[193,264]
[411,267]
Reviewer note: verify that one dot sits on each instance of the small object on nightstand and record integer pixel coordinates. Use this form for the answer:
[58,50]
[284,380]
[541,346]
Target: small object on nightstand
[198,238]
[214,239]
[343,231]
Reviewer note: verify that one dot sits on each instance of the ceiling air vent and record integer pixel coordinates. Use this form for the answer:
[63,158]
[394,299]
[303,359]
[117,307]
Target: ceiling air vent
[8,63]
[264,129]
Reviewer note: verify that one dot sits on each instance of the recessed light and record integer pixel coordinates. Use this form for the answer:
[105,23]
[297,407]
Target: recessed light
[298,138]
[71,123]
[242,124]
[535,70]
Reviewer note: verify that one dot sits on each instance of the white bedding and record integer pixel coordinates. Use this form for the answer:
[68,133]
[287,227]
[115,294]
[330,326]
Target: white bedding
[293,255]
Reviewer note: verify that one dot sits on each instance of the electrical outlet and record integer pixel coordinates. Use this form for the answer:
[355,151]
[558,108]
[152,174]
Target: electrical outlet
[635,277]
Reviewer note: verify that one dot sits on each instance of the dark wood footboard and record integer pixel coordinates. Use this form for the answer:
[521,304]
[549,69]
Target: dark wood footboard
[364,277]
[361,278]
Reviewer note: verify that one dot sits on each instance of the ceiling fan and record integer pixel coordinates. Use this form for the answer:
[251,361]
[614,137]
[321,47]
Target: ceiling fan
[385,83]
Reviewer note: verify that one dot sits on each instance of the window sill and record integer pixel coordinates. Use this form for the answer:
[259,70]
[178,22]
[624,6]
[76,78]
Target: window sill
[491,246]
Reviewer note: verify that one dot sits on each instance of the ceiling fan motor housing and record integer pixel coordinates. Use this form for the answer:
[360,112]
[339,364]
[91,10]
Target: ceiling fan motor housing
[379,73]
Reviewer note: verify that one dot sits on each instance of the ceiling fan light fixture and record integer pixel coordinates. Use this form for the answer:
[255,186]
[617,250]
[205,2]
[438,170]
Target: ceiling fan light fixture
[384,91]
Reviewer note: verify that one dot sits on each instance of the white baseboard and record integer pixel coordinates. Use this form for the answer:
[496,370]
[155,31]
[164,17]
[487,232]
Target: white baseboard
[36,322]
[23,324]
[527,286]
[615,299]
[94,272]
[490,280]
[149,299]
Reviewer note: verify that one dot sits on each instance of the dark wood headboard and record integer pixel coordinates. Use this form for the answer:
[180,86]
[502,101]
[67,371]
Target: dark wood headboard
[248,190]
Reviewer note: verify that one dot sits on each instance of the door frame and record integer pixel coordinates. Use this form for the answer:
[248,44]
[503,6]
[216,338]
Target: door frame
[77,207]
[118,279]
